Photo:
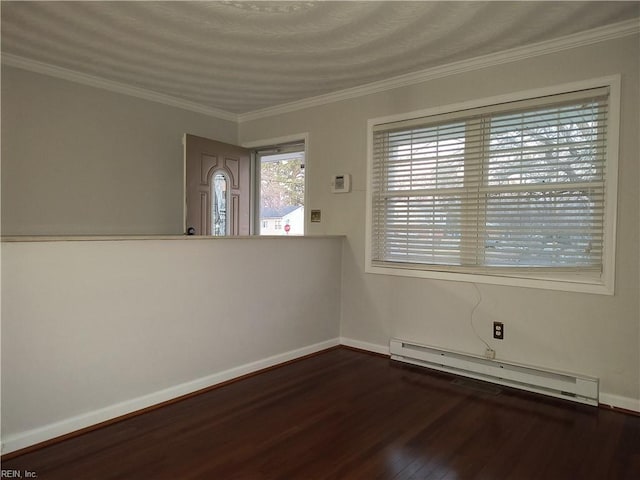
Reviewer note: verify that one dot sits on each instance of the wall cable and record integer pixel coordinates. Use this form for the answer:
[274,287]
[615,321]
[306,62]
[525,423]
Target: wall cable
[473,311]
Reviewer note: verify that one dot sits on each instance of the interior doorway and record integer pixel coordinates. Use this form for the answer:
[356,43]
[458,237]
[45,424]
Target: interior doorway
[280,189]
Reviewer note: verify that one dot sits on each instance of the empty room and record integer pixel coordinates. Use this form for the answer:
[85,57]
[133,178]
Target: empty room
[320,240]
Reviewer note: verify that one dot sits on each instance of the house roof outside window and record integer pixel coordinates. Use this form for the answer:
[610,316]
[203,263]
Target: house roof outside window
[278,212]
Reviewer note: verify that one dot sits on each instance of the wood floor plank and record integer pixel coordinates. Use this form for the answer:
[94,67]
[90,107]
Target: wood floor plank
[344,414]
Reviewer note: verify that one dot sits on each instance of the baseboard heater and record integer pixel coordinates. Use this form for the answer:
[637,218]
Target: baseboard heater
[567,386]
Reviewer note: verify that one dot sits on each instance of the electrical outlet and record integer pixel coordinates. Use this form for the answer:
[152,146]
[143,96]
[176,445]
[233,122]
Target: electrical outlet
[498,330]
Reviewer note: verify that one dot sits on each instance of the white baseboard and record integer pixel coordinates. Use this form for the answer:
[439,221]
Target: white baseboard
[25,439]
[370,347]
[627,403]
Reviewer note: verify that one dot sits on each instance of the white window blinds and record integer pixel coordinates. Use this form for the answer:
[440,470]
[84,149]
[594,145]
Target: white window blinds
[511,186]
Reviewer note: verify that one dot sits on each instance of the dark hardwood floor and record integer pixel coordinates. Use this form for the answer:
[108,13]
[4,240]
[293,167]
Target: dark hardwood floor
[348,415]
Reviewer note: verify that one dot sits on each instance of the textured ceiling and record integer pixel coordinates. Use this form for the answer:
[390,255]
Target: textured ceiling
[245,56]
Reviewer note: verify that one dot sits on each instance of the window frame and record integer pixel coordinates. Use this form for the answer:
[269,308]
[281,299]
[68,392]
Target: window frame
[552,280]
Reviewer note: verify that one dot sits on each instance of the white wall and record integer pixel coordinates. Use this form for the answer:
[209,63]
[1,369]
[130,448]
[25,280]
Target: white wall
[589,334]
[95,329]
[81,160]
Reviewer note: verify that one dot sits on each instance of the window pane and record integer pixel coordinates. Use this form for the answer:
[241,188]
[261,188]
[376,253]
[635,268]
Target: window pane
[422,230]
[426,158]
[281,193]
[532,228]
[219,207]
[552,145]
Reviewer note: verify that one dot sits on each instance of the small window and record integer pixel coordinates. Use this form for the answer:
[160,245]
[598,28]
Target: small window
[219,194]
[517,189]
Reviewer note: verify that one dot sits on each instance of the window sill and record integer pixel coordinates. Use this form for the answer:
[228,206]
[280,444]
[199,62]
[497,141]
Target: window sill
[567,283]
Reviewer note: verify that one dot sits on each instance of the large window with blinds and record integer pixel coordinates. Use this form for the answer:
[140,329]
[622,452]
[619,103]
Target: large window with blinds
[517,189]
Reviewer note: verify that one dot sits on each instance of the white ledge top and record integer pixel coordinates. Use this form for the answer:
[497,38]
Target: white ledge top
[119,238]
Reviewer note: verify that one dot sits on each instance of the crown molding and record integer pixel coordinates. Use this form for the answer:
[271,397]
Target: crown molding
[601,34]
[609,32]
[117,87]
